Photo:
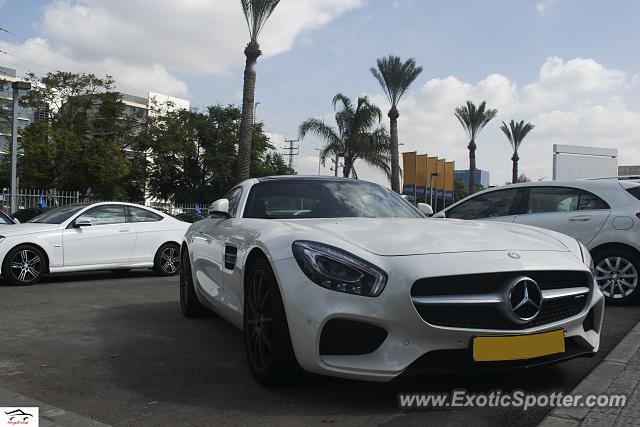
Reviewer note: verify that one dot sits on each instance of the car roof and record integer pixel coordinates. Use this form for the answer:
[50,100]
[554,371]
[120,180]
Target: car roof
[307,177]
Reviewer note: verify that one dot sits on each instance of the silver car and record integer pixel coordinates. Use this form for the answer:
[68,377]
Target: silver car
[603,214]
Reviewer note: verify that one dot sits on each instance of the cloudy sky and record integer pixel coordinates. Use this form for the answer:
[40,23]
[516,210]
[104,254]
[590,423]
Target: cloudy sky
[569,66]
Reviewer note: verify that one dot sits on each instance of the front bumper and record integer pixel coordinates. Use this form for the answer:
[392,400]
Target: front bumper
[411,344]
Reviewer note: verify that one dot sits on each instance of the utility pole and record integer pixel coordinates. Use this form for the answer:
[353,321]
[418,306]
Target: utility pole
[289,151]
[17,87]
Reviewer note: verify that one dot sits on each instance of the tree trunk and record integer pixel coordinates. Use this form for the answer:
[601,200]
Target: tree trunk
[514,175]
[395,163]
[252,52]
[472,166]
[348,165]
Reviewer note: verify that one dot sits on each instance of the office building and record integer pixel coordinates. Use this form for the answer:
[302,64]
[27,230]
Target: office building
[482,178]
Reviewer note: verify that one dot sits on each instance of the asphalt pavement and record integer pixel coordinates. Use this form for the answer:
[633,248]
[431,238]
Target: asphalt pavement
[117,350]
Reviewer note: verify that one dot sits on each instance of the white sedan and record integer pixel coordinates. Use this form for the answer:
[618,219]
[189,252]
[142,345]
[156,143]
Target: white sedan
[91,236]
[345,278]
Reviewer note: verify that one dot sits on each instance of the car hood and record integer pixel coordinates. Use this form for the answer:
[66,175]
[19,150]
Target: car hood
[394,236]
[27,228]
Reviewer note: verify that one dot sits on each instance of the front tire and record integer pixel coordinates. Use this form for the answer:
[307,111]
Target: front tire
[189,304]
[24,265]
[167,260]
[266,333]
[617,275]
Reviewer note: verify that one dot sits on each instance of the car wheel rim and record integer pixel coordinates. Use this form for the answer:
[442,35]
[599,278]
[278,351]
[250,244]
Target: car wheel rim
[259,320]
[169,260]
[25,265]
[617,277]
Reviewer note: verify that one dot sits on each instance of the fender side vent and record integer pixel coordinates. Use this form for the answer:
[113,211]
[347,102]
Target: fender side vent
[230,255]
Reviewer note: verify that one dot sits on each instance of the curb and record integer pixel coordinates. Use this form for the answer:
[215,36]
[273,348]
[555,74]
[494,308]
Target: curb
[597,382]
[49,415]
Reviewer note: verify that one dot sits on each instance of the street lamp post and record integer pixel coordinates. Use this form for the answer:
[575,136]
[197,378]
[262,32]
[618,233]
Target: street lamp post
[17,87]
[431,187]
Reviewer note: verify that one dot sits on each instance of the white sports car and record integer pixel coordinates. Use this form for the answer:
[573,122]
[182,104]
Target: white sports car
[91,236]
[345,278]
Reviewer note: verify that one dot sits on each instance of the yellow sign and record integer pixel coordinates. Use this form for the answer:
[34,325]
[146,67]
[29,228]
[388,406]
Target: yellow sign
[432,167]
[409,168]
[421,172]
[439,184]
[449,181]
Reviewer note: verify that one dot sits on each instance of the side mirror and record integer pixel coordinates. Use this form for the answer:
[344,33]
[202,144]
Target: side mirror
[82,221]
[219,208]
[425,208]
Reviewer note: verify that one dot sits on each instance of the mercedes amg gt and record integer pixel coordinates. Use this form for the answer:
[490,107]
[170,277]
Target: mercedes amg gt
[345,278]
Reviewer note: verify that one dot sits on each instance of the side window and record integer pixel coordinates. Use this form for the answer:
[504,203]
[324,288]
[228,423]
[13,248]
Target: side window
[555,199]
[107,214]
[590,201]
[234,200]
[489,205]
[142,215]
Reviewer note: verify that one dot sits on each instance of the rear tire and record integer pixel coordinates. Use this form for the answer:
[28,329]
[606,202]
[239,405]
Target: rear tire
[617,275]
[266,333]
[24,265]
[189,304]
[167,260]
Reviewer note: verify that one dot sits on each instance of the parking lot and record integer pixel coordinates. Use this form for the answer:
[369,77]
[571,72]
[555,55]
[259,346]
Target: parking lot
[118,350]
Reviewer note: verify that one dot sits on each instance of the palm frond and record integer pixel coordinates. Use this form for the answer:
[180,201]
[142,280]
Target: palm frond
[256,12]
[473,119]
[516,132]
[395,76]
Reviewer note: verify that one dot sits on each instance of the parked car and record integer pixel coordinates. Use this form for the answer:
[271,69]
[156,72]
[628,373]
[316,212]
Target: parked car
[91,236]
[343,277]
[190,217]
[603,214]
[24,215]
[6,219]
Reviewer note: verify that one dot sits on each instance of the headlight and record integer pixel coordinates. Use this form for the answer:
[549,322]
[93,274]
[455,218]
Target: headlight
[587,259]
[338,270]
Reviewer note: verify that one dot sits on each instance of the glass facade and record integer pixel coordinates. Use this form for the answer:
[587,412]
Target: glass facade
[26,115]
[482,178]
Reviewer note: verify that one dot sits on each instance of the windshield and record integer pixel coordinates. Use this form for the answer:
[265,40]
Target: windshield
[315,198]
[58,215]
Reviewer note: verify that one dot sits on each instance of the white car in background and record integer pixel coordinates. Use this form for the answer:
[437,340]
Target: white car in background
[91,236]
[343,277]
[603,214]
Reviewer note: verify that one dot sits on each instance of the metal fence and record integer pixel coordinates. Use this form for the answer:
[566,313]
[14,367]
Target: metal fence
[27,198]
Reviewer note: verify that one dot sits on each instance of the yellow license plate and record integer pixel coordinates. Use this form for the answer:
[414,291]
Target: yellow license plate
[516,347]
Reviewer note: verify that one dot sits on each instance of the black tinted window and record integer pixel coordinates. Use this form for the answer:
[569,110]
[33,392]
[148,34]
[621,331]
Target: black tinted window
[234,201]
[142,215]
[312,198]
[108,214]
[562,199]
[487,205]
[634,191]
[58,215]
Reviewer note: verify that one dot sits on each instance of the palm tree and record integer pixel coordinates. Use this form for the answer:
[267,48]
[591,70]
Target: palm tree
[516,132]
[395,77]
[358,135]
[256,13]
[473,119]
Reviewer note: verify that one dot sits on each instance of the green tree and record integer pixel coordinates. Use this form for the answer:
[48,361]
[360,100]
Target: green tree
[473,119]
[82,144]
[515,133]
[395,77]
[256,13]
[358,136]
[459,191]
[194,153]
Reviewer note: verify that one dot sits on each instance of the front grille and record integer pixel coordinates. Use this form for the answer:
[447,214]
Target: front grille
[486,283]
[490,316]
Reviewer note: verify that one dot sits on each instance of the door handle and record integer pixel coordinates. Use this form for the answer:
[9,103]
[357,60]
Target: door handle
[580,218]
[124,230]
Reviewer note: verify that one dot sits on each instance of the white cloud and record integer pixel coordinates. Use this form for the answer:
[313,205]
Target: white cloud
[578,101]
[151,41]
[544,6]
